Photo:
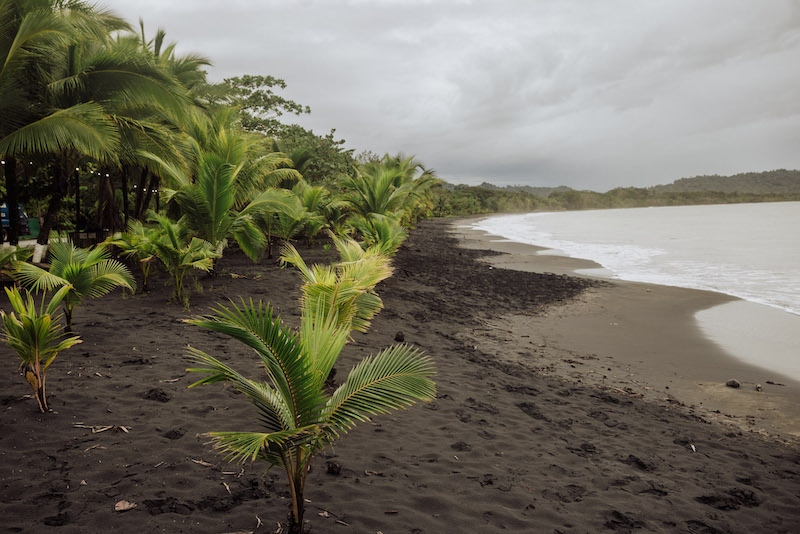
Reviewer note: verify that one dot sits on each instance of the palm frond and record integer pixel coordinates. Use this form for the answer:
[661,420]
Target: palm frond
[38,279]
[243,446]
[256,326]
[275,414]
[83,127]
[395,378]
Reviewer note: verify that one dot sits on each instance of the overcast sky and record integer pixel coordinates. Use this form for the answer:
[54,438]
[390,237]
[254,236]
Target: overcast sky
[590,94]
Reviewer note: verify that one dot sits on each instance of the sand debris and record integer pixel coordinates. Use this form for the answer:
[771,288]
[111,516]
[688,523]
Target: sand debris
[96,429]
[124,506]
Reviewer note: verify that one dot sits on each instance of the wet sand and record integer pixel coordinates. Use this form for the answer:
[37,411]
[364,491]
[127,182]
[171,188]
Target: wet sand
[513,441]
[645,339]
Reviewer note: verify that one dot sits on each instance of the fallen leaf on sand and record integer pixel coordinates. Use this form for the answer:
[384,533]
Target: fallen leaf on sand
[124,506]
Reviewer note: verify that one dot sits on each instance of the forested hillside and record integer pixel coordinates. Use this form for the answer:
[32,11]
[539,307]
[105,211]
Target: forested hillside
[770,186]
[769,182]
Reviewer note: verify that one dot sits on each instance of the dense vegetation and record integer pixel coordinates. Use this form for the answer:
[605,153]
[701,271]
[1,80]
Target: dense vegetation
[770,186]
[104,126]
[104,129]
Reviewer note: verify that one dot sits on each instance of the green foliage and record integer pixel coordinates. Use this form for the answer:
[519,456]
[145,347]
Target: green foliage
[321,159]
[345,289]
[780,181]
[10,257]
[298,417]
[179,253]
[85,272]
[380,232]
[771,186]
[139,243]
[36,336]
[257,99]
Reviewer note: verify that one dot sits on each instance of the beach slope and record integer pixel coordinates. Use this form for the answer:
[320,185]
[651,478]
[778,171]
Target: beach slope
[507,445]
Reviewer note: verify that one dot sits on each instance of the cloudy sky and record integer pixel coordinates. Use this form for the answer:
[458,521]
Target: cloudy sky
[583,93]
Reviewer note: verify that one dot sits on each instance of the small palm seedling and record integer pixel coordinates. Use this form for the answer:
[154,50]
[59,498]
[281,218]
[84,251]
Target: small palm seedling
[380,231]
[298,417]
[36,336]
[179,254]
[86,272]
[138,242]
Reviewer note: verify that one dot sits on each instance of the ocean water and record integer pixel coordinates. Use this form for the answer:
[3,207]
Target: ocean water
[751,251]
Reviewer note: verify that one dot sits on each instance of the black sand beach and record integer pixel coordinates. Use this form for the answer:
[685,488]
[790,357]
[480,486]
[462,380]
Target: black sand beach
[519,439]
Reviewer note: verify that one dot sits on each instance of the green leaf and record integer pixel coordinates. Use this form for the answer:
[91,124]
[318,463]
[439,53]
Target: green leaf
[395,378]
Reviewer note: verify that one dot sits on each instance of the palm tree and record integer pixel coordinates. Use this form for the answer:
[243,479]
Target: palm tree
[373,190]
[179,254]
[36,336]
[138,96]
[208,204]
[298,417]
[392,186]
[418,179]
[86,272]
[139,243]
[384,233]
[34,36]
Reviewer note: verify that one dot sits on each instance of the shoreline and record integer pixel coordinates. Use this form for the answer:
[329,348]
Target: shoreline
[640,338]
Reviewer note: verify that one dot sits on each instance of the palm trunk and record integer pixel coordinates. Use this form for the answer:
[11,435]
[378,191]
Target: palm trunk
[58,190]
[76,184]
[107,212]
[33,375]
[125,195]
[68,318]
[145,193]
[137,210]
[296,483]
[11,201]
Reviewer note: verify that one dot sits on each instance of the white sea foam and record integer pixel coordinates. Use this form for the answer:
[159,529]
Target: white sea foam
[751,251]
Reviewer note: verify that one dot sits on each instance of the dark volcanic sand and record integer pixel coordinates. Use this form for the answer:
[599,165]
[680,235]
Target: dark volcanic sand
[501,448]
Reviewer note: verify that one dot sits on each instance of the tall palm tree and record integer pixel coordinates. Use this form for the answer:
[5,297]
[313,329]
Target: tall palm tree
[298,417]
[34,36]
[137,95]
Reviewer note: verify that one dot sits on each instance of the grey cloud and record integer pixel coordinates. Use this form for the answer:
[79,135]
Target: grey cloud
[589,94]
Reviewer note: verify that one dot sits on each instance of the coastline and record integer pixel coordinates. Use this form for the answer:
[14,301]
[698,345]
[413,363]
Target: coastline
[640,338]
